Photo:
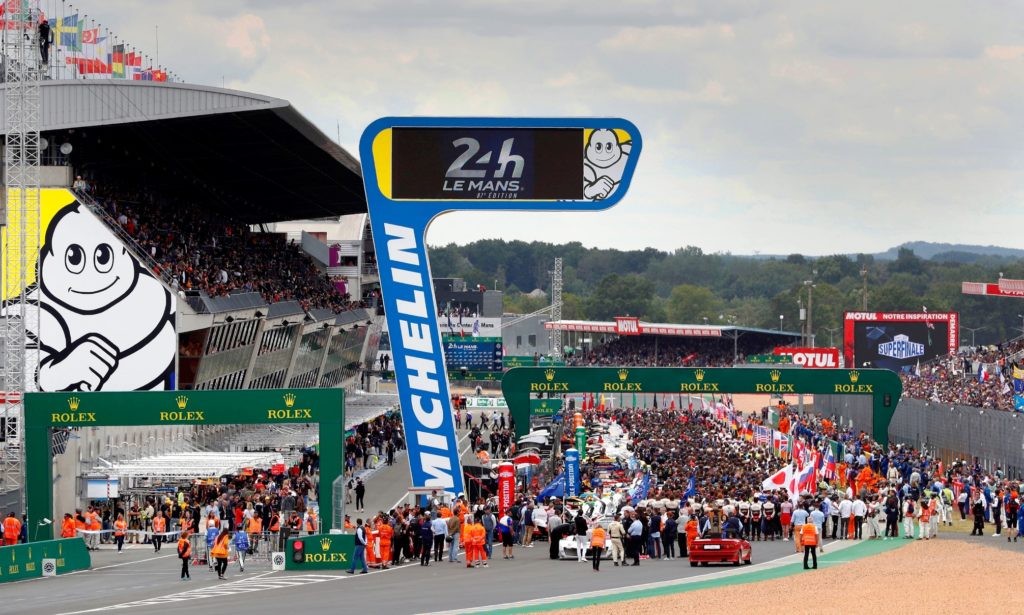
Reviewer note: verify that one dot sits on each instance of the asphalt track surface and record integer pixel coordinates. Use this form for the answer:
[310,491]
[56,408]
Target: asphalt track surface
[140,580]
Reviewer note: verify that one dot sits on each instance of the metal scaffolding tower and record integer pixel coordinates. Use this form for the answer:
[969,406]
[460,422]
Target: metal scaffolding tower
[556,307]
[22,74]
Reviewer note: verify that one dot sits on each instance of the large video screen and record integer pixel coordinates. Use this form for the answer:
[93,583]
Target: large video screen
[898,340]
[476,354]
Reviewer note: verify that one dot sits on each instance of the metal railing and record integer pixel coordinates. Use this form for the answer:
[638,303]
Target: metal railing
[140,253]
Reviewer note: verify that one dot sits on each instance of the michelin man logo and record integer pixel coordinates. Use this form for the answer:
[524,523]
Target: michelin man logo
[604,164]
[105,323]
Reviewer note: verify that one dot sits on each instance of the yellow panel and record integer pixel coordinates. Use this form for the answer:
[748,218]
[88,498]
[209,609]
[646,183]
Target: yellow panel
[51,200]
[382,161]
[623,136]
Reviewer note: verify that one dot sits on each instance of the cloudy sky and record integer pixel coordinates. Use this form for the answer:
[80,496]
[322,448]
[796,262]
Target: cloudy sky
[773,127]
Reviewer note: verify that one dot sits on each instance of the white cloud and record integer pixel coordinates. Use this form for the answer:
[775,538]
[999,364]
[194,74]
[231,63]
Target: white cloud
[823,127]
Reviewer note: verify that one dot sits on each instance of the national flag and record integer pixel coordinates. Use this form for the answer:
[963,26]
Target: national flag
[68,33]
[804,480]
[829,470]
[761,435]
[778,442]
[779,480]
[917,369]
[91,36]
[117,62]
[982,376]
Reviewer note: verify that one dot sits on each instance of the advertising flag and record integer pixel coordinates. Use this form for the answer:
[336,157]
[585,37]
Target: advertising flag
[691,488]
[572,472]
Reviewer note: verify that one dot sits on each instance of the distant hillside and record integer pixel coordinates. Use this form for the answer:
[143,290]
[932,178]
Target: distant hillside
[927,250]
[950,251]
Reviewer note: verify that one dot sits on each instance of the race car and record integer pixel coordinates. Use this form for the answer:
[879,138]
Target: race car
[720,550]
[567,548]
[567,545]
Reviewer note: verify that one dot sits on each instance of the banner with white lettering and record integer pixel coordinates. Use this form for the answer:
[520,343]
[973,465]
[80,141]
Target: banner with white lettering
[415,169]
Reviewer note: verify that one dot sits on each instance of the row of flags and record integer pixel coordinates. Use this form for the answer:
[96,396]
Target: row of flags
[86,50]
[92,53]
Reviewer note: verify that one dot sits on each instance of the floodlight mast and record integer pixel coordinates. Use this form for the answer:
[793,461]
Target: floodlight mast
[22,71]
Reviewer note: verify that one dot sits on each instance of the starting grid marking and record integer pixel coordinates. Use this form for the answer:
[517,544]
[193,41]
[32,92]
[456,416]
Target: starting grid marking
[242,586]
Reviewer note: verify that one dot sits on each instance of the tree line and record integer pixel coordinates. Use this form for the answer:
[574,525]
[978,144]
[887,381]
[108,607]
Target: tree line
[693,287]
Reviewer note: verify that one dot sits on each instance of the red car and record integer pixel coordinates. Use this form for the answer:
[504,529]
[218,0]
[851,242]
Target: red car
[720,550]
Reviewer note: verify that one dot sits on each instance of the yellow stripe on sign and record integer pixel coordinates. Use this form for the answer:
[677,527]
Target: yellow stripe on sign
[382,161]
[51,200]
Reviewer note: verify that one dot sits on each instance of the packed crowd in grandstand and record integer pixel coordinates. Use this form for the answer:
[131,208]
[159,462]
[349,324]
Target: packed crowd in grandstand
[669,351]
[981,377]
[199,248]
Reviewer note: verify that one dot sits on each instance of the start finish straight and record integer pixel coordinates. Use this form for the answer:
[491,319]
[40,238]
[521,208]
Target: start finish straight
[424,360]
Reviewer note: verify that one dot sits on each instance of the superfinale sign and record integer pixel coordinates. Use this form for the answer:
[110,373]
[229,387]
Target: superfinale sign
[414,169]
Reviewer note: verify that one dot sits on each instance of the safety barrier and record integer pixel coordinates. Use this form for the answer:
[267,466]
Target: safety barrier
[43,558]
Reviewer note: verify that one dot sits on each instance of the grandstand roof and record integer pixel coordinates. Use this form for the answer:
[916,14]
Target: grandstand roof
[647,328]
[256,155]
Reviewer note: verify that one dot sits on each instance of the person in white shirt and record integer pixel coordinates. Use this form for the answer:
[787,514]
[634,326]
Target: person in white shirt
[845,509]
[860,509]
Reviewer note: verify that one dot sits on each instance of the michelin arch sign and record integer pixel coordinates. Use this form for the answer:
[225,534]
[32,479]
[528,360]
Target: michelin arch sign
[415,169]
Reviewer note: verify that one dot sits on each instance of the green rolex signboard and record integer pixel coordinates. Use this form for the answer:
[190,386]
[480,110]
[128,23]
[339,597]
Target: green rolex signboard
[320,552]
[45,412]
[27,561]
[545,407]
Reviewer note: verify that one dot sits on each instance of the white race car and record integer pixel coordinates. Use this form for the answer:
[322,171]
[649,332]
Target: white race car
[567,545]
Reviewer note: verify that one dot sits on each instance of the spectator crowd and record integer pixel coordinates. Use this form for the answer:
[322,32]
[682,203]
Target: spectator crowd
[195,247]
[981,377]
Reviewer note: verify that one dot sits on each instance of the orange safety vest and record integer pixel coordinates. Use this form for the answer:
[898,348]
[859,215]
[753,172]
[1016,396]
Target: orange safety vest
[159,525]
[94,521]
[220,546]
[79,525]
[479,534]
[67,529]
[184,548]
[386,533]
[809,535]
[348,525]
[255,525]
[275,523]
[119,528]
[597,537]
[12,528]
[311,523]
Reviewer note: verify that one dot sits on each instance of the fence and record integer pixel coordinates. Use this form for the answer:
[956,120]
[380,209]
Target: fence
[949,431]
[261,546]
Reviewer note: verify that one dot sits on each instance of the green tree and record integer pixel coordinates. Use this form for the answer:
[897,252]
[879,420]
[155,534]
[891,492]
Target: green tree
[689,304]
[619,295]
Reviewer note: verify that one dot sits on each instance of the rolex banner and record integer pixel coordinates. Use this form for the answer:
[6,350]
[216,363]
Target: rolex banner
[320,552]
[545,407]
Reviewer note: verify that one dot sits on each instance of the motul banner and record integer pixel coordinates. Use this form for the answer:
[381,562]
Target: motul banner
[819,358]
[1003,289]
[506,487]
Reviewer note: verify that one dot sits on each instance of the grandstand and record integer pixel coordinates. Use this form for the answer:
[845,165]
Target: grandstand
[187,179]
[629,341]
